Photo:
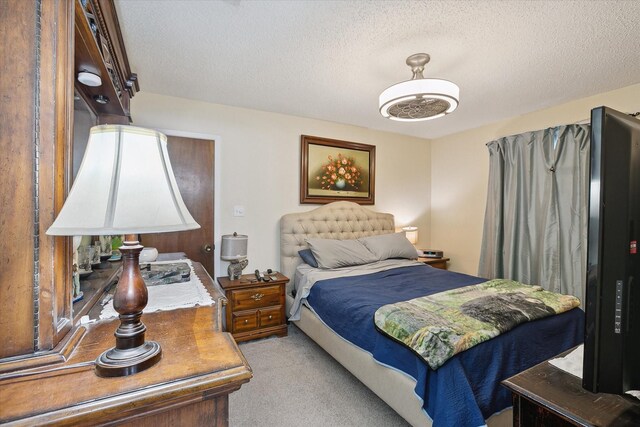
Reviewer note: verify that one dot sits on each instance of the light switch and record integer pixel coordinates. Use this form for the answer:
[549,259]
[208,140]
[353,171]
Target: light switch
[238,211]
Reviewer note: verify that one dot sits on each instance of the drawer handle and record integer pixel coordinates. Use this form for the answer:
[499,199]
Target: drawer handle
[257,297]
[246,321]
[270,317]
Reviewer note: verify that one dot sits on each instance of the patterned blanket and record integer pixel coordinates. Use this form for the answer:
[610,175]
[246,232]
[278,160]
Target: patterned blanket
[441,325]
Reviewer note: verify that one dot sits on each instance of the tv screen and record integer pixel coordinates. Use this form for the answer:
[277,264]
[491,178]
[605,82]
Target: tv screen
[612,328]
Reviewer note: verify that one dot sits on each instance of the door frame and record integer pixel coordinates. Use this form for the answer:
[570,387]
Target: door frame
[217,187]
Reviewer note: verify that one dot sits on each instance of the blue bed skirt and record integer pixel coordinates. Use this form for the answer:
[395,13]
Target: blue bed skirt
[466,389]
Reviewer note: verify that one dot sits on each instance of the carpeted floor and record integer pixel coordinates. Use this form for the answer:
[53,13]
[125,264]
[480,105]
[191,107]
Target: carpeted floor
[296,383]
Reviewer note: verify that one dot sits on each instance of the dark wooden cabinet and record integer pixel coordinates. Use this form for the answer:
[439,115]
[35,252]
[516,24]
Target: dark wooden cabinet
[44,45]
[99,49]
[548,396]
[46,355]
[36,96]
[255,309]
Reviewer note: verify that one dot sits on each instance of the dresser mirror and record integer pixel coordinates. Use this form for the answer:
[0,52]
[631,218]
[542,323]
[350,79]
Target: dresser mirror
[83,119]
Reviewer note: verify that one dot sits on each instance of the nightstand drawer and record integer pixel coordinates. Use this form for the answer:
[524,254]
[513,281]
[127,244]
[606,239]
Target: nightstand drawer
[244,321]
[270,316]
[263,296]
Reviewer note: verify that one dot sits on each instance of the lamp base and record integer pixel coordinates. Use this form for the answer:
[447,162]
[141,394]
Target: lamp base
[132,353]
[235,268]
[122,362]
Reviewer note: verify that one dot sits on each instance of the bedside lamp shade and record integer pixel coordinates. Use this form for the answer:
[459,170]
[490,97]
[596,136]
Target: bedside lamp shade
[411,233]
[233,247]
[234,250]
[125,185]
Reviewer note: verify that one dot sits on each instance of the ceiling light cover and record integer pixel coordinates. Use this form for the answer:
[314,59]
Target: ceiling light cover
[419,98]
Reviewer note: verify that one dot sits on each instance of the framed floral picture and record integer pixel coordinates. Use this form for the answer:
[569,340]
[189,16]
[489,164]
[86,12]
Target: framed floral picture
[333,170]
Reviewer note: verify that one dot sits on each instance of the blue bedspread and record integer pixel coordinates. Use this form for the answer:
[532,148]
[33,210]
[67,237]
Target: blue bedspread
[466,389]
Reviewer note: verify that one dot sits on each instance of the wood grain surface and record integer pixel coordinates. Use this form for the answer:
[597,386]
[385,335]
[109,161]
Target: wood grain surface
[546,395]
[192,162]
[199,362]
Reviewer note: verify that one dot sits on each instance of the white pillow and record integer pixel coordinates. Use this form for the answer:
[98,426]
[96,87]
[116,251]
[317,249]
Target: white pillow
[331,253]
[394,245]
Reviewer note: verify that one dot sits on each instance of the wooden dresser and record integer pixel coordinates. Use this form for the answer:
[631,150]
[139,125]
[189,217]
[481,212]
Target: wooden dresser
[255,309]
[200,366]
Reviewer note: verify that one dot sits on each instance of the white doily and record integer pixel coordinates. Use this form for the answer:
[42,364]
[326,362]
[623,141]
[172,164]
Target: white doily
[171,296]
[572,363]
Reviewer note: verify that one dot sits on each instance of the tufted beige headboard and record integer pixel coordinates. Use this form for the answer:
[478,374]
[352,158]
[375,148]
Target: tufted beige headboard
[337,220]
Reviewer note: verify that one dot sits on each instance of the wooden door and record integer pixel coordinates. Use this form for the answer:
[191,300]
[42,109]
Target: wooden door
[192,162]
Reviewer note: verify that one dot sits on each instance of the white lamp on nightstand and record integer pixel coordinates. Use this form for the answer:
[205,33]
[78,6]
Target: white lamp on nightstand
[234,250]
[411,233]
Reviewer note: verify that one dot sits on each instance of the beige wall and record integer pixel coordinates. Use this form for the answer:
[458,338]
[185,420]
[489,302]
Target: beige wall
[440,186]
[258,162]
[460,166]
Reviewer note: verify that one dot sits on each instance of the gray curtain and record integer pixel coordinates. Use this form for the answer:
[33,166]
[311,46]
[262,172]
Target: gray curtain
[535,226]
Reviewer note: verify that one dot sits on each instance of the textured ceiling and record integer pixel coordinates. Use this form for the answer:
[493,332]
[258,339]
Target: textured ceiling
[331,59]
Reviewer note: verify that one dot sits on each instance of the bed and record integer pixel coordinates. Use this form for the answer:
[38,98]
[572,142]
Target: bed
[448,396]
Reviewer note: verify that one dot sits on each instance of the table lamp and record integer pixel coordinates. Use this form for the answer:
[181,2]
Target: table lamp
[125,186]
[234,250]
[411,233]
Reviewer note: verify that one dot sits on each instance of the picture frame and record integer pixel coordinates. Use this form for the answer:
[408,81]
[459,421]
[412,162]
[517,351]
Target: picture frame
[333,170]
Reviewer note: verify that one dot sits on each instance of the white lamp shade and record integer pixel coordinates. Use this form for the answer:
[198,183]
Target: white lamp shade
[233,247]
[411,233]
[125,185]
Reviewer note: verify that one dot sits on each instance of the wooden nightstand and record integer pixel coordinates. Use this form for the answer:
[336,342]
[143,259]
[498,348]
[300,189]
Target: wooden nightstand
[255,309]
[435,262]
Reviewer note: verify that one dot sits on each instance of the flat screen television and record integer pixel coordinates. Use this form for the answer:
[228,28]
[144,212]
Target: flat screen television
[612,327]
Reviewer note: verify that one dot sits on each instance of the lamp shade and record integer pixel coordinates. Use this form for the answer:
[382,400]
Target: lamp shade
[411,233]
[233,247]
[125,185]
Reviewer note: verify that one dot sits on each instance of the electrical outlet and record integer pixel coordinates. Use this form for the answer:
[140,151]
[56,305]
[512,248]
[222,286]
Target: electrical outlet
[238,211]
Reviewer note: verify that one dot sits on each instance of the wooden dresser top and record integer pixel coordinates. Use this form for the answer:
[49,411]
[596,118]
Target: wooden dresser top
[198,361]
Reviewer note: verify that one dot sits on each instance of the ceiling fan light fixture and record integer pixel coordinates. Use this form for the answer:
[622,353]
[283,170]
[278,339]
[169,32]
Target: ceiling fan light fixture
[419,98]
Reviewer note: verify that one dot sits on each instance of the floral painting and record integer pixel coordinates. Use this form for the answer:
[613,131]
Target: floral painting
[336,170]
